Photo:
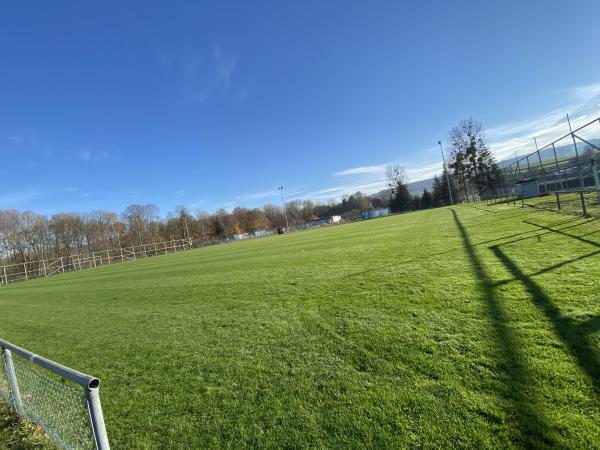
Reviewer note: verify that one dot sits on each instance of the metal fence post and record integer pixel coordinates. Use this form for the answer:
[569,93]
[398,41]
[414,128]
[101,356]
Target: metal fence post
[557,167]
[582,203]
[97,418]
[12,381]
[596,181]
[557,200]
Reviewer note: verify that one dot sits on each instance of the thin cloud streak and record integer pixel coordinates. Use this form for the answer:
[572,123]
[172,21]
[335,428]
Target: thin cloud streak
[16,199]
[95,157]
[361,170]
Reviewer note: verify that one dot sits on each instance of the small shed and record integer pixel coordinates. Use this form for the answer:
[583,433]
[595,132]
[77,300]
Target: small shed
[528,188]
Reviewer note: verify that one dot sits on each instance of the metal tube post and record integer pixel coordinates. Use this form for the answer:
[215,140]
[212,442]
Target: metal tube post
[287,225]
[97,418]
[557,167]
[541,166]
[12,381]
[581,183]
[557,200]
[447,176]
[582,203]
[596,181]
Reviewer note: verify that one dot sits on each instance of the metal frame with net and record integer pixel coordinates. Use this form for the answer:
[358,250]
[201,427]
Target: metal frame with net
[64,402]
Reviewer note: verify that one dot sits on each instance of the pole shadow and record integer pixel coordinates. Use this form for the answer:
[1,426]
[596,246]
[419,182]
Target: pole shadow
[572,333]
[533,429]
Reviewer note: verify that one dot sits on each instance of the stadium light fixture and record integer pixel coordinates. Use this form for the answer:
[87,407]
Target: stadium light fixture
[287,225]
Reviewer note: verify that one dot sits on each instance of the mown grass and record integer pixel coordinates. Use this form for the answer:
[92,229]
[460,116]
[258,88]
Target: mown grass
[466,327]
[569,203]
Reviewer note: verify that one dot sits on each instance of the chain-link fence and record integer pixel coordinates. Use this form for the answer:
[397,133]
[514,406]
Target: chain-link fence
[64,402]
[563,174]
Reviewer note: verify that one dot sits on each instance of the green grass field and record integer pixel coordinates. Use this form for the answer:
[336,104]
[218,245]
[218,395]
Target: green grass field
[467,327]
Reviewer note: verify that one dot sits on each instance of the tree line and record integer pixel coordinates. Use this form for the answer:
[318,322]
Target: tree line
[28,236]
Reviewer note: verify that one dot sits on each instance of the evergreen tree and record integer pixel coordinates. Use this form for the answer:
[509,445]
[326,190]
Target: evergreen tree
[440,193]
[426,199]
[398,184]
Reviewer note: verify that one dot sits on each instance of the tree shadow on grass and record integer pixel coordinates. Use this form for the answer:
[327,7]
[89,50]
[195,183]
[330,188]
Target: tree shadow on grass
[533,429]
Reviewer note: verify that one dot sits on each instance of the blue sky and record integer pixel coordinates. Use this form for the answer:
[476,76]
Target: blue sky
[215,104]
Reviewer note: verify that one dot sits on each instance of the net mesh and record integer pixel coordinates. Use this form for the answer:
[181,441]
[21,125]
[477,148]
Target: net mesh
[59,408]
[4,386]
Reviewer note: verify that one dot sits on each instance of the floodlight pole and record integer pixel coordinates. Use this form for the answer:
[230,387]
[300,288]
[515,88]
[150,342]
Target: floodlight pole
[447,176]
[287,225]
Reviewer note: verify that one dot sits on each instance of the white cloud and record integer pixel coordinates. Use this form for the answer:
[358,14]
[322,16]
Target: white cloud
[16,199]
[258,195]
[362,170]
[583,93]
[90,156]
[163,59]
[241,94]
[17,139]
[225,63]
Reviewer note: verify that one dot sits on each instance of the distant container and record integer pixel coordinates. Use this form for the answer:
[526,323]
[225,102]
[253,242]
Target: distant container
[280,230]
[528,188]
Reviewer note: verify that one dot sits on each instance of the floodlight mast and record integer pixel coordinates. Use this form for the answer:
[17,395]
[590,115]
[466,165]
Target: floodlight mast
[287,225]
[447,176]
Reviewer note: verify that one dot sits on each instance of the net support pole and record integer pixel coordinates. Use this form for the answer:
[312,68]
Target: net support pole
[582,198]
[12,380]
[92,396]
[596,180]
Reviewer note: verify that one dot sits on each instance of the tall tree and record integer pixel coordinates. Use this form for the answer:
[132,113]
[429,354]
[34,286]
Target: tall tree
[397,181]
[472,162]
[426,199]
[439,190]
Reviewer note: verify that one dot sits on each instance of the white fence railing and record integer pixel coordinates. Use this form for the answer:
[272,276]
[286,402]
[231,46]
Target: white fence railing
[45,267]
